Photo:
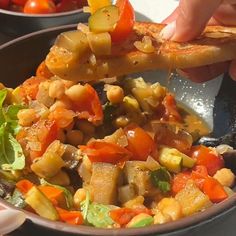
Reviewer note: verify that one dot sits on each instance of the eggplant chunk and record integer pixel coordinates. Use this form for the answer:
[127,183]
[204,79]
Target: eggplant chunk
[136,173]
[104,182]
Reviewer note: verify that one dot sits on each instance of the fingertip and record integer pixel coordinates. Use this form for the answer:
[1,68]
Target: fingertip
[168,31]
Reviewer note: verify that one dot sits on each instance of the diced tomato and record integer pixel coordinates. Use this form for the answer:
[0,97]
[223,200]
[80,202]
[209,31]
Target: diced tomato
[123,216]
[179,181]
[124,26]
[39,7]
[19,2]
[29,89]
[4,4]
[24,186]
[140,143]
[199,175]
[214,190]
[100,151]
[70,217]
[171,110]
[206,157]
[62,117]
[44,132]
[43,71]
[89,107]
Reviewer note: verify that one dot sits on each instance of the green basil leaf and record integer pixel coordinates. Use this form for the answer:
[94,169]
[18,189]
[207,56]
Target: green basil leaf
[161,179]
[67,193]
[11,156]
[84,205]
[98,215]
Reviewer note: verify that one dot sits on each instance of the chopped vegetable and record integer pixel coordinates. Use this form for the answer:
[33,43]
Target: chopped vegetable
[192,199]
[104,19]
[67,194]
[140,143]
[24,186]
[214,190]
[70,217]
[95,5]
[171,159]
[41,204]
[123,216]
[208,158]
[105,176]
[125,23]
[100,151]
[140,220]
[161,179]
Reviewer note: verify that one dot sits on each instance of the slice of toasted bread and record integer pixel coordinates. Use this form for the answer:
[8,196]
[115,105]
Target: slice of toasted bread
[216,44]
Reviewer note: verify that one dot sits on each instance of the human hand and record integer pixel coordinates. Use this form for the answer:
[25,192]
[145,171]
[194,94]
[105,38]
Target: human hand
[189,20]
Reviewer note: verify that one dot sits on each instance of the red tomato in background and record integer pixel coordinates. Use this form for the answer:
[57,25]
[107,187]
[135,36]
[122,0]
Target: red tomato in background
[207,158]
[39,7]
[140,143]
[66,5]
[126,21]
[19,2]
[4,4]
[81,3]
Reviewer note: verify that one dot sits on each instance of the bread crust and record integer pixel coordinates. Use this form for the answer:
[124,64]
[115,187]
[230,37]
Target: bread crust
[216,44]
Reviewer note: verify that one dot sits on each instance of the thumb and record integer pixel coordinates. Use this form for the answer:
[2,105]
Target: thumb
[193,15]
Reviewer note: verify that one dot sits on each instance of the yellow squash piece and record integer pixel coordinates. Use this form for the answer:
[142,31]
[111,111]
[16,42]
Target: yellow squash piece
[94,5]
[41,204]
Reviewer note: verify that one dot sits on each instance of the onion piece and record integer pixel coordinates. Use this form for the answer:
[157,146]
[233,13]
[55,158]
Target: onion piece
[145,45]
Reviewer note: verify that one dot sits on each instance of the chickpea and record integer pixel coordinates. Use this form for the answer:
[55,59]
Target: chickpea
[225,177]
[161,218]
[79,196]
[76,92]
[64,102]
[115,94]
[121,121]
[85,126]
[74,137]
[26,117]
[170,207]
[56,89]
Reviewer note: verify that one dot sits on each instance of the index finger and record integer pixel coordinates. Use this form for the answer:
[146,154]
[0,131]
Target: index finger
[193,15]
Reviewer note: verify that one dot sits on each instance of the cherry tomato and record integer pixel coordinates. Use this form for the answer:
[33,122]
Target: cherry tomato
[66,5]
[81,3]
[126,21]
[4,4]
[19,2]
[206,157]
[70,217]
[100,151]
[39,7]
[140,143]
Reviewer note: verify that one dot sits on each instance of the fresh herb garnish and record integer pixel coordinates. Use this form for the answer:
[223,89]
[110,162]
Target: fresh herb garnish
[11,153]
[161,179]
[96,214]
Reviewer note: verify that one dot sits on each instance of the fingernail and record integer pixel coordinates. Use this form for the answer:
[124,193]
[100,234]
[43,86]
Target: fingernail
[169,31]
